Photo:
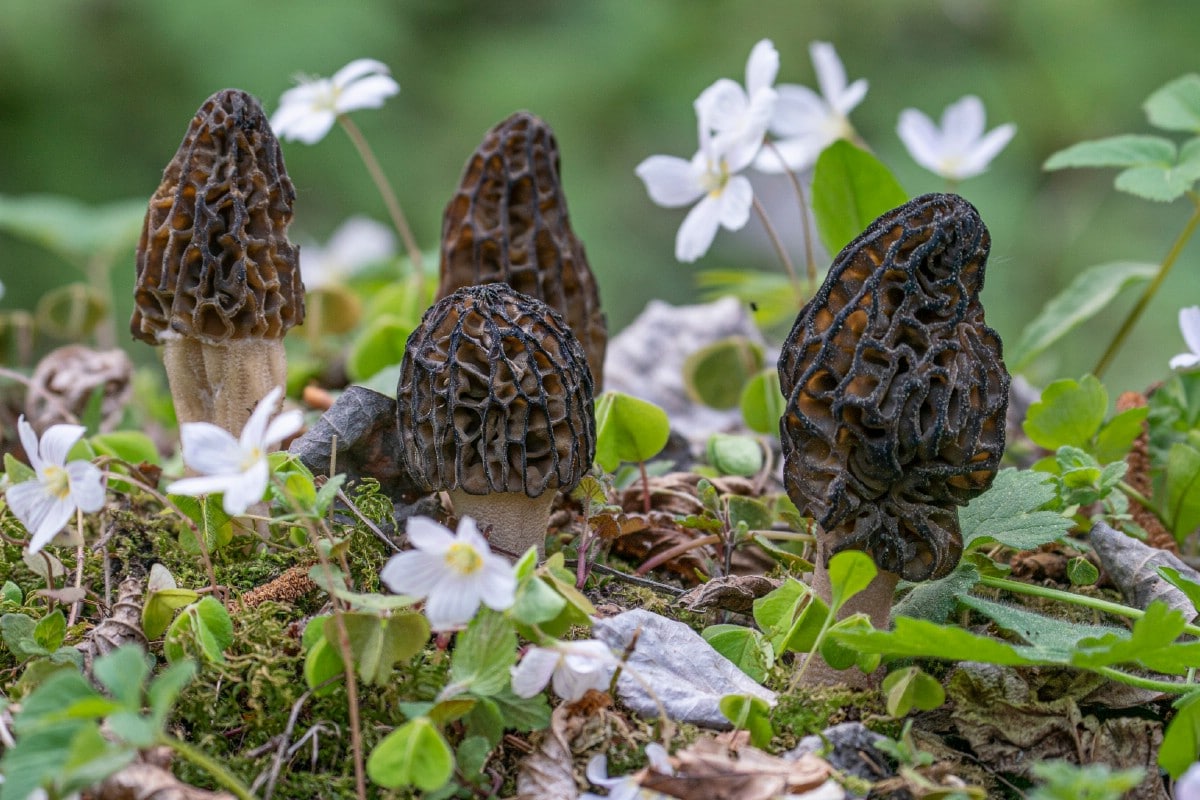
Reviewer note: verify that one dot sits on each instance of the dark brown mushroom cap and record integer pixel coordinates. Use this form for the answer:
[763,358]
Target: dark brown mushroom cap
[495,396]
[508,222]
[896,389]
[214,261]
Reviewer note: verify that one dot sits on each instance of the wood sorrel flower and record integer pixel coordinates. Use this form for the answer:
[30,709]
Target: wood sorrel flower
[806,122]
[358,242]
[235,467]
[574,667]
[307,112]
[45,504]
[1189,325]
[455,572]
[958,149]
[628,787]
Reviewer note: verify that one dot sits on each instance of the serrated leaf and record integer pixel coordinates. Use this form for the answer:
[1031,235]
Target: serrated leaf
[1007,513]
[1088,294]
[1052,641]
[415,754]
[1151,643]
[1176,106]
[1069,412]
[916,638]
[1128,150]
[850,189]
[628,429]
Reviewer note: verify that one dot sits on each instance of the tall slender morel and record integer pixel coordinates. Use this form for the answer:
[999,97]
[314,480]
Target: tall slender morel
[495,407]
[218,282]
[896,395]
[508,222]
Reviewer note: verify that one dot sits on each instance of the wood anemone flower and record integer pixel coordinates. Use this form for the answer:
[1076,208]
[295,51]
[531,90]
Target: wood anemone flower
[508,222]
[896,396]
[494,406]
[218,282]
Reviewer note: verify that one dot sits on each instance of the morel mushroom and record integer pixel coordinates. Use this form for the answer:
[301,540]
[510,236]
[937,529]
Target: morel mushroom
[508,222]
[896,396]
[494,406]
[218,282]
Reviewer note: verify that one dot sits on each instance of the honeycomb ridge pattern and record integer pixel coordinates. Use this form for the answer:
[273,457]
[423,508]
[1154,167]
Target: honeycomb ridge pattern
[495,396]
[214,261]
[896,389]
[508,222]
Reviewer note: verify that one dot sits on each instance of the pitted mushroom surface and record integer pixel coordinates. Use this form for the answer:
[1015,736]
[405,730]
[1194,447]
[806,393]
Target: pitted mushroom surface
[897,390]
[494,406]
[218,282]
[508,222]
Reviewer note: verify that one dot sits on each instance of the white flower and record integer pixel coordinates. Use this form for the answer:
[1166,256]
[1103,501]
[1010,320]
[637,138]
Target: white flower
[628,787]
[735,115]
[805,122]
[1189,324]
[1,289]
[235,467]
[307,112]
[46,503]
[959,149]
[574,666]
[1188,785]
[358,242]
[455,572]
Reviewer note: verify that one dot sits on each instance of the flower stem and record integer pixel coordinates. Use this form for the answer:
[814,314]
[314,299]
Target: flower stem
[209,765]
[1167,687]
[1136,312]
[1095,603]
[810,262]
[775,240]
[389,197]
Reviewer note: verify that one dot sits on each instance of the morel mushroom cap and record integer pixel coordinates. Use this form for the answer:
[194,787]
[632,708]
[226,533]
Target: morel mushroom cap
[897,390]
[494,406]
[508,222]
[218,282]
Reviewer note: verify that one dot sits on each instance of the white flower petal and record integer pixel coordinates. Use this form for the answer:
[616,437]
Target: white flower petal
[722,105]
[425,534]
[831,75]
[761,67]
[798,110]
[571,685]
[597,771]
[698,230]
[57,441]
[413,572]
[978,157]
[670,181]
[256,427]
[451,605]
[735,203]
[282,427]
[205,484]
[744,144]
[357,69]
[358,242]
[498,584]
[587,655]
[243,493]
[208,449]
[30,502]
[87,485]
[1189,325]
[309,128]
[368,93]
[29,443]
[468,533]
[849,99]
[659,758]
[962,124]
[534,672]
[797,154]
[921,138]
[1181,361]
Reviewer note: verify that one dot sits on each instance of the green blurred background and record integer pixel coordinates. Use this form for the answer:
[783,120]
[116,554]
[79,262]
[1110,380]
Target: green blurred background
[95,97]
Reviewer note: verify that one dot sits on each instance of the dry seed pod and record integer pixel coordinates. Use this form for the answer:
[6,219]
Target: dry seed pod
[897,390]
[508,222]
[494,406]
[218,282]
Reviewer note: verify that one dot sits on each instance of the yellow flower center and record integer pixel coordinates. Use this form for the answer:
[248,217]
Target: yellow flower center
[716,177]
[57,482]
[250,458]
[464,559]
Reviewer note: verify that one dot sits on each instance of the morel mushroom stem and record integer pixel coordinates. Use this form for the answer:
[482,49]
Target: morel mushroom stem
[511,521]
[222,382]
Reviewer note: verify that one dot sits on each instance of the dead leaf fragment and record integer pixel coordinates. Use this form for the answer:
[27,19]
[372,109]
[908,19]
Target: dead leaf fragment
[728,768]
[735,593]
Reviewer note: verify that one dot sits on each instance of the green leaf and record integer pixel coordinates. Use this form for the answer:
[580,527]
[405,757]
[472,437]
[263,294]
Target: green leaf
[839,656]
[415,754]
[1087,295]
[909,688]
[775,611]
[850,189]
[165,689]
[936,600]
[916,638]
[1067,781]
[160,609]
[628,429]
[204,625]
[537,602]
[1116,151]
[1176,106]
[1068,413]
[322,663]
[751,714]
[1183,584]
[484,656]
[850,571]
[1158,183]
[1053,641]
[1115,439]
[522,713]
[209,515]
[381,344]
[17,630]
[50,701]
[1183,490]
[51,630]
[715,374]
[1081,572]
[734,455]
[11,594]
[76,232]
[771,295]
[123,672]
[754,513]
[762,403]
[806,630]
[1151,643]
[132,446]
[16,471]
[379,643]
[745,647]
[1181,740]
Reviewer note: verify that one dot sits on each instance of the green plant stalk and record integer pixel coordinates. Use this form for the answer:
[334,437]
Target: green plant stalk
[389,198]
[773,235]
[1142,500]
[213,767]
[1095,603]
[1136,312]
[1167,687]
[810,262]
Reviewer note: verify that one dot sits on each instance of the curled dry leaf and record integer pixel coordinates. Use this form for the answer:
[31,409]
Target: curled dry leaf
[549,771]
[713,768]
[64,382]
[142,781]
[735,593]
[122,626]
[1133,567]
